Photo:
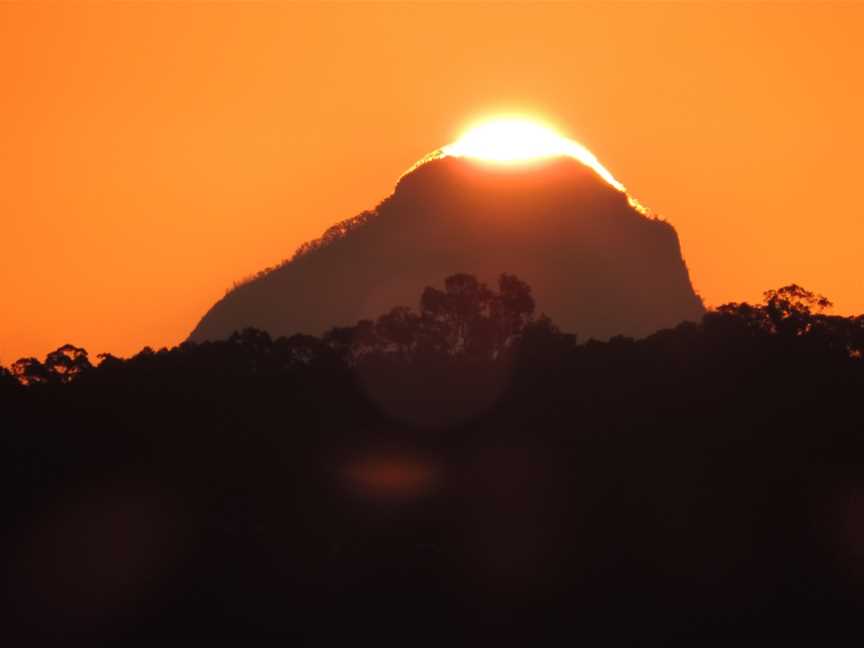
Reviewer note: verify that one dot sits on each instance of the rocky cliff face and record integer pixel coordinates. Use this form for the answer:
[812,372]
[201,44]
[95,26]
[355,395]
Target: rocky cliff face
[598,266]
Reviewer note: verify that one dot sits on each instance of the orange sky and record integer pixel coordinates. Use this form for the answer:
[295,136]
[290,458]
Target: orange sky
[153,154]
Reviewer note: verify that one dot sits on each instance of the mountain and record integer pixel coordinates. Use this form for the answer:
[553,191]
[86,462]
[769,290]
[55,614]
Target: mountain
[598,266]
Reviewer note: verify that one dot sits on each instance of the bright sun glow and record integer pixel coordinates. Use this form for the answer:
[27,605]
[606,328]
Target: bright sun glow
[512,140]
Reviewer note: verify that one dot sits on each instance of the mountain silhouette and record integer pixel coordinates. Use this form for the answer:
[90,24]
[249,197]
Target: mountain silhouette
[598,266]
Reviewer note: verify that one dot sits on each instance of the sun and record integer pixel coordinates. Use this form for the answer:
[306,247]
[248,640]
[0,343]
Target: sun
[518,140]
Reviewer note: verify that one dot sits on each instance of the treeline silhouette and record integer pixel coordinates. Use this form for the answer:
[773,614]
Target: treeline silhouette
[462,473]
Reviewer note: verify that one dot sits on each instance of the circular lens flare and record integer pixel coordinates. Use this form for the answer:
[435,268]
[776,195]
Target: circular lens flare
[514,140]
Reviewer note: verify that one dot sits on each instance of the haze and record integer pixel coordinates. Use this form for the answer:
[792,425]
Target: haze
[152,155]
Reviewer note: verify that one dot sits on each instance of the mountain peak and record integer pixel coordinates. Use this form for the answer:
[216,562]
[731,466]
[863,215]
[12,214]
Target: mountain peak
[598,265]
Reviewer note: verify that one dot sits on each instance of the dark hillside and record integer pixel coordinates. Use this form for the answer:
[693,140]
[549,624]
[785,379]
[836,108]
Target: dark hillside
[464,473]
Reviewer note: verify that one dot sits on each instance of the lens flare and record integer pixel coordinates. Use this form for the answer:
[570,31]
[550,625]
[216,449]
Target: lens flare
[514,140]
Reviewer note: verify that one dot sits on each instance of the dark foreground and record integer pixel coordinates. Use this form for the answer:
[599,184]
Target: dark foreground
[466,476]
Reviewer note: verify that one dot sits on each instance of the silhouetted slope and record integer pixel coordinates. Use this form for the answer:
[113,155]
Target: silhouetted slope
[598,267]
[695,487]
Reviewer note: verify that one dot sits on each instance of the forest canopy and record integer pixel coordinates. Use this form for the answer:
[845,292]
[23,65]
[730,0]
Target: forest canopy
[452,460]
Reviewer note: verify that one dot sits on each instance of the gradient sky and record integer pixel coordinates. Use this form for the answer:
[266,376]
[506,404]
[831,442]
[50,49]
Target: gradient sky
[154,154]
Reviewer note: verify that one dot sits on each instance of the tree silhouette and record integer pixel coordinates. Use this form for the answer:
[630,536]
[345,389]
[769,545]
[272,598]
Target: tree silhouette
[512,309]
[790,309]
[66,363]
[29,371]
[60,366]
[399,328]
[457,311]
[470,318]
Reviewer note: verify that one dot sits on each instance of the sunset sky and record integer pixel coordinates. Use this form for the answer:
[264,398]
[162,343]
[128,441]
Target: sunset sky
[153,154]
